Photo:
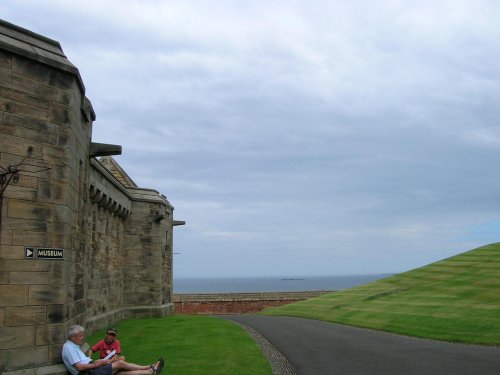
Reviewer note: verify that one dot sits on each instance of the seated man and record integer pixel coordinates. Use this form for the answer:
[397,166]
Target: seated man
[76,361]
[107,345]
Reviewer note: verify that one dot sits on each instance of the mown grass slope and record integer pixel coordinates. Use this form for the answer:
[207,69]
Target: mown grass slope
[456,299]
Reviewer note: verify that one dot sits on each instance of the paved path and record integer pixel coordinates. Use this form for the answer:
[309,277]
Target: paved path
[320,348]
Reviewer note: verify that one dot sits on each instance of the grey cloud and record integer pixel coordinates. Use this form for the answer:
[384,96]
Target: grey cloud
[339,138]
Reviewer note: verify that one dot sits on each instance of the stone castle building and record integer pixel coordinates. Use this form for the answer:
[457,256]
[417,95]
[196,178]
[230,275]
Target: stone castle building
[80,242]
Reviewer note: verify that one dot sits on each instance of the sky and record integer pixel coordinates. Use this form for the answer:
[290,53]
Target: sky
[297,138]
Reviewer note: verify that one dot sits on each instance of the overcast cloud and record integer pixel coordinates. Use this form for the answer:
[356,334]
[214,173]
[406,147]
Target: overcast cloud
[297,137]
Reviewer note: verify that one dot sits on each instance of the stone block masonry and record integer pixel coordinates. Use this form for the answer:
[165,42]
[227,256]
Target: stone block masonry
[237,303]
[75,231]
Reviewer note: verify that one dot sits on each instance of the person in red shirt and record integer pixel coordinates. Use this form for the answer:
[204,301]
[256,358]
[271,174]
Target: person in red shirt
[107,345]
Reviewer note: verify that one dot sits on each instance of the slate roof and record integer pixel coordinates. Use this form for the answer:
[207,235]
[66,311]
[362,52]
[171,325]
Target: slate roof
[114,168]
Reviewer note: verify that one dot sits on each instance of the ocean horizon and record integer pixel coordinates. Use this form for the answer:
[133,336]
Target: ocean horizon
[184,285]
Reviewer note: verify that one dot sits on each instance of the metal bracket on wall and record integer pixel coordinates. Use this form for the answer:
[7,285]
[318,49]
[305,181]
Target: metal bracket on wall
[11,174]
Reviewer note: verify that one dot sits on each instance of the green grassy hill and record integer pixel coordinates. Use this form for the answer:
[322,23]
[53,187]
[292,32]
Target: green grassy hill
[456,299]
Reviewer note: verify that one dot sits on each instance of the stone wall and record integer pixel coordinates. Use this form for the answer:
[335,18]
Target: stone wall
[115,237]
[236,303]
[149,258]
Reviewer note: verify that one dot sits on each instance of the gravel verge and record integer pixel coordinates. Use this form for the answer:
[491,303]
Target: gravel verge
[279,363]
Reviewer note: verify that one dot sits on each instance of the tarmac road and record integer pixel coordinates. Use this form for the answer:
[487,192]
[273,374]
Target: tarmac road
[320,348]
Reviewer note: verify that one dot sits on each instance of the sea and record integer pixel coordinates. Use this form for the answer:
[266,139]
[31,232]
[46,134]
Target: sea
[270,284]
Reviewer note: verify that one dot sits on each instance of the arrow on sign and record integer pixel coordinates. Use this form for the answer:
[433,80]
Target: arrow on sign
[29,252]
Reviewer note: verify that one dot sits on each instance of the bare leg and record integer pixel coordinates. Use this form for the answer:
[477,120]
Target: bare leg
[122,365]
[132,368]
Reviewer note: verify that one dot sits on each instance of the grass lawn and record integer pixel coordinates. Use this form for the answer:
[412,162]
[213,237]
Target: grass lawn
[456,299]
[190,345]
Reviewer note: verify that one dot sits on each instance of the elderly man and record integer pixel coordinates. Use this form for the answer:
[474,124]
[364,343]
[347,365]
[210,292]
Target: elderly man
[76,361]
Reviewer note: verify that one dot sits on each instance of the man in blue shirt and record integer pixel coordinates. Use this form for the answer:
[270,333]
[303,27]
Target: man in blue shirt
[76,361]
